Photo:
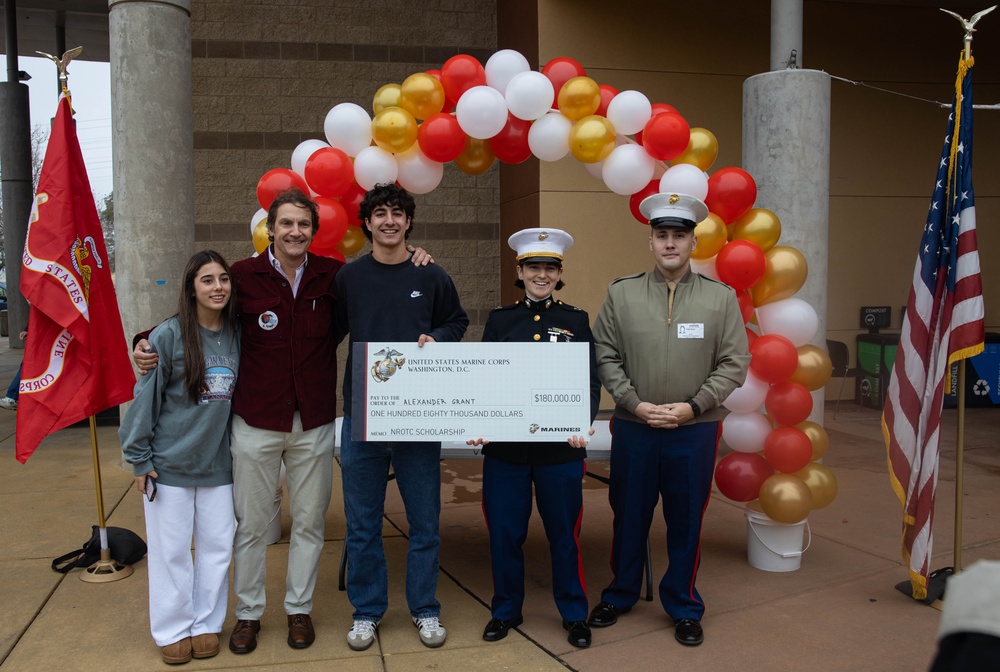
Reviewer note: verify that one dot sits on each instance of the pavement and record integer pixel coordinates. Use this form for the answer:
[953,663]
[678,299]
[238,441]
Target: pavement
[838,611]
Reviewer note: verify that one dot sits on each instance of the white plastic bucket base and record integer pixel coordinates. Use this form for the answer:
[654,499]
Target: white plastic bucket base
[774,546]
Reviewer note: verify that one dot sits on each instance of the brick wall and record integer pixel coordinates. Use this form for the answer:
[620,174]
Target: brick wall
[266,73]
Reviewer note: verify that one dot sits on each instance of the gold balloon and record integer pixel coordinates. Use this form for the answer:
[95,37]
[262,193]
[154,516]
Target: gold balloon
[760,226]
[818,437]
[394,129]
[711,235]
[579,97]
[387,96]
[784,275]
[352,242]
[260,241]
[821,482]
[702,149]
[815,367]
[591,139]
[476,158]
[421,95]
[785,498]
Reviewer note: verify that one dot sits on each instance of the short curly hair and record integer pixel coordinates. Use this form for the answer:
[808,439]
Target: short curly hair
[386,194]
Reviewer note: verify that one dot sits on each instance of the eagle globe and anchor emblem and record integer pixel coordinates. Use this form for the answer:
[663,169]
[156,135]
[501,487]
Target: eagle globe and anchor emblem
[387,363]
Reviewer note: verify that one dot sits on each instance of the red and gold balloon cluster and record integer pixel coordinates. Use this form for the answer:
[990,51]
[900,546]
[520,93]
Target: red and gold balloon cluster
[775,451]
[475,115]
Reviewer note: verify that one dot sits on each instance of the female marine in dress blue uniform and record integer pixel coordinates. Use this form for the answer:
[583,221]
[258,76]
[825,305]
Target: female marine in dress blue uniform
[555,469]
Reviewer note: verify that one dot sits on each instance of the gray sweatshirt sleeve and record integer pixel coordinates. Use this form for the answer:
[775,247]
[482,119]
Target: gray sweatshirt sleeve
[136,431]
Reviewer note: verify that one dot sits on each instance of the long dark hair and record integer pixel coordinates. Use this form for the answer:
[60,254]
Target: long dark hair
[187,315]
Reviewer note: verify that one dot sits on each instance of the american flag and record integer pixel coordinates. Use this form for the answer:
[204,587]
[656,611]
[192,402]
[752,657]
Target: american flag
[943,323]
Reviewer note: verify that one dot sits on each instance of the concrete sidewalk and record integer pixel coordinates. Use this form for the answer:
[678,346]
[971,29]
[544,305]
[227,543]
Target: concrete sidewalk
[839,611]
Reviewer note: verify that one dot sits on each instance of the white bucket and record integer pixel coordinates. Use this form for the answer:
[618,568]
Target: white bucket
[774,546]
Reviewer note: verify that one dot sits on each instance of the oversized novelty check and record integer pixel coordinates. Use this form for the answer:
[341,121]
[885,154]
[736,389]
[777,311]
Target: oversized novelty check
[459,391]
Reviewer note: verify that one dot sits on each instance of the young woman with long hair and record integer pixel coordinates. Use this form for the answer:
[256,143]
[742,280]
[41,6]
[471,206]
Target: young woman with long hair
[176,437]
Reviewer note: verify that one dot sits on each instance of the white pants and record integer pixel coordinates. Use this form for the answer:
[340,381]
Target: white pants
[257,458]
[188,597]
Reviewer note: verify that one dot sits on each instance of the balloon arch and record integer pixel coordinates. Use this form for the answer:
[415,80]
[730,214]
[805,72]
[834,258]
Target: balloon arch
[475,115]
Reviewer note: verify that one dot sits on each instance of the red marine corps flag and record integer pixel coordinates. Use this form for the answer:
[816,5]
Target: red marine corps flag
[76,362]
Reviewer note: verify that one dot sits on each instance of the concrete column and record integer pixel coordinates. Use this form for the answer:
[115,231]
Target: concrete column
[15,159]
[786,147]
[153,155]
[786,33]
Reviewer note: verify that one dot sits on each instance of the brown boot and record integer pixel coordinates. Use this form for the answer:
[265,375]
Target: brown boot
[177,653]
[244,638]
[205,646]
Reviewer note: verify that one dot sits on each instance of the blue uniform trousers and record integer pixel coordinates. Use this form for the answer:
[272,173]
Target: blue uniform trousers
[646,464]
[507,508]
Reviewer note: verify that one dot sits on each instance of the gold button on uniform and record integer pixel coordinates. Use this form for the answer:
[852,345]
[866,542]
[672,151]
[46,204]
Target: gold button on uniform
[537,317]
[537,337]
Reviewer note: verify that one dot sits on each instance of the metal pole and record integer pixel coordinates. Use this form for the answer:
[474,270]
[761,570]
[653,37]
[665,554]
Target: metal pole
[10,23]
[959,465]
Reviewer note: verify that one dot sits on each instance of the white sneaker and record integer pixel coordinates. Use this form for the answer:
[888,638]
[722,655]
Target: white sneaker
[431,633]
[8,403]
[362,635]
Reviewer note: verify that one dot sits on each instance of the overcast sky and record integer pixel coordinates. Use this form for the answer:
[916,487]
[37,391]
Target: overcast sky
[90,86]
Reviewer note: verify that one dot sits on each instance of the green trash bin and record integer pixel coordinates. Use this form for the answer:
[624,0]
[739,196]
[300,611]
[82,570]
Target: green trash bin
[876,354]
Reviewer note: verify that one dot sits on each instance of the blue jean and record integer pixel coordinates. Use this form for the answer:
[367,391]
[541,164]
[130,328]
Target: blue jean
[365,472]
[15,385]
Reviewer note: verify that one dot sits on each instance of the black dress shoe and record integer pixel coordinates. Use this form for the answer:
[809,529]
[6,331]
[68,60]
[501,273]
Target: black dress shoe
[605,614]
[579,633]
[497,628]
[688,631]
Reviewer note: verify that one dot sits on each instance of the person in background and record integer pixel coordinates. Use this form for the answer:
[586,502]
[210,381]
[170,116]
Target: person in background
[671,347]
[176,437]
[14,390]
[555,470]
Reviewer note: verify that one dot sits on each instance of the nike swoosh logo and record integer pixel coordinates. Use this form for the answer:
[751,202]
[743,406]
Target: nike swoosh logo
[414,294]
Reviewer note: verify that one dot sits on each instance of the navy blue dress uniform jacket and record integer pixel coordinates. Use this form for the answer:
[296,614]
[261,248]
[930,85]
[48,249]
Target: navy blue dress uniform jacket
[542,321]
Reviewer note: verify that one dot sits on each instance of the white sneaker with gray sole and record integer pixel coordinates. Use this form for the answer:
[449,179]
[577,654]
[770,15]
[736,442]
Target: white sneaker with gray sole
[432,634]
[362,635]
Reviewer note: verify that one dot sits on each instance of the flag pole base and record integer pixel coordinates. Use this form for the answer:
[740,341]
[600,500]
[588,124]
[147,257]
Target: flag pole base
[106,571]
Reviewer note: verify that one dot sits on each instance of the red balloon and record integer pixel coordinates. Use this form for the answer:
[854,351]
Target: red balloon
[746,304]
[459,74]
[773,359]
[329,172]
[333,224]
[751,336]
[788,449]
[635,199]
[511,144]
[275,181]
[449,105]
[666,136]
[440,138]
[731,193]
[559,71]
[607,93]
[740,264]
[788,403]
[657,108]
[740,475]
[351,200]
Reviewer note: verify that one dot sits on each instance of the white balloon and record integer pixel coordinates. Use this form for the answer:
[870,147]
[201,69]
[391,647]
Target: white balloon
[749,396]
[481,112]
[503,66]
[548,137]
[745,432]
[792,318]
[629,111]
[348,128]
[417,173]
[595,169]
[628,169]
[256,219]
[374,165]
[705,267]
[685,179]
[529,95]
[301,154]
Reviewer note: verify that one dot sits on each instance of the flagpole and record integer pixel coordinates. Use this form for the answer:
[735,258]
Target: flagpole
[959,465]
[106,569]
